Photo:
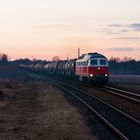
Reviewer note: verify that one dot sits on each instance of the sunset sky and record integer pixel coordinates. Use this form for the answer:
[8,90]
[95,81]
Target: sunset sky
[45,28]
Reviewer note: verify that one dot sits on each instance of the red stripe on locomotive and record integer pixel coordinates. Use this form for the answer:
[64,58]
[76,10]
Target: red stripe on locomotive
[98,70]
[92,70]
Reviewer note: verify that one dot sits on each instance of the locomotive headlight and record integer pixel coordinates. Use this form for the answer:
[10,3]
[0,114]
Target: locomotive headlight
[106,75]
[99,68]
[91,75]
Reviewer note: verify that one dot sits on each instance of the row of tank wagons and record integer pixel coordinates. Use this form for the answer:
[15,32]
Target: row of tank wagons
[57,67]
[89,67]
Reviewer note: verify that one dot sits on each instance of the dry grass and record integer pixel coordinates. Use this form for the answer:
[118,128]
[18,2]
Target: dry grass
[37,110]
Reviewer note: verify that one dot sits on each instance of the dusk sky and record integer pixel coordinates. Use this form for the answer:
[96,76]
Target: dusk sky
[45,28]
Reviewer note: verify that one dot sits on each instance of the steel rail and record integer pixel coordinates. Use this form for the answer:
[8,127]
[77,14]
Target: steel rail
[120,94]
[113,128]
[134,120]
[123,91]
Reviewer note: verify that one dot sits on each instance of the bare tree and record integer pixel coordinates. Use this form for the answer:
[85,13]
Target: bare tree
[3,58]
[115,59]
[56,58]
[125,59]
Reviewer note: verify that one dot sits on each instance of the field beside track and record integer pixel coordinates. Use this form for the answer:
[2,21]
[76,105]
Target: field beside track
[127,82]
[34,109]
[31,107]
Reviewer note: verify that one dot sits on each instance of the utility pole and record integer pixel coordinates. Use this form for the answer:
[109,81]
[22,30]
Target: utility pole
[78,52]
[67,56]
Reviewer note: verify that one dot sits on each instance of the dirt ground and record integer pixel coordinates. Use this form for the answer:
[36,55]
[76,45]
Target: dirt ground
[36,110]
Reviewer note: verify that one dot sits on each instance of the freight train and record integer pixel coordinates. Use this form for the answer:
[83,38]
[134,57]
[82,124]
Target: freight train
[90,67]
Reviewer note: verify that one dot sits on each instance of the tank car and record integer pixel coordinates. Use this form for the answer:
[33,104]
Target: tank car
[63,70]
[70,68]
[59,67]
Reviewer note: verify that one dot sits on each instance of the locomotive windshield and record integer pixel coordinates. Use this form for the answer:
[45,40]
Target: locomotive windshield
[98,62]
[94,62]
[103,62]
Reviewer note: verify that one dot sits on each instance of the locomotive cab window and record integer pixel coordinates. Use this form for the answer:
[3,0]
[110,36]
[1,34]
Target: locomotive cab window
[103,62]
[94,62]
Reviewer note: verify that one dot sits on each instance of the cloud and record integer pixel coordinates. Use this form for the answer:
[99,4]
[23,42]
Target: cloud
[132,26]
[115,29]
[136,26]
[128,38]
[108,31]
[124,49]
[124,30]
[115,25]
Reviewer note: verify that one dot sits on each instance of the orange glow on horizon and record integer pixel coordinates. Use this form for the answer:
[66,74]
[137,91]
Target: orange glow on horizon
[41,30]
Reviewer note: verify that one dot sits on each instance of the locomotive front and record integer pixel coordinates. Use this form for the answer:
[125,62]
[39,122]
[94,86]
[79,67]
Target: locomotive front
[93,68]
[98,70]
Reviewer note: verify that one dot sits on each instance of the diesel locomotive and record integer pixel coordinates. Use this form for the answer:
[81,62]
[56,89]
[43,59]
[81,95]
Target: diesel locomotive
[90,67]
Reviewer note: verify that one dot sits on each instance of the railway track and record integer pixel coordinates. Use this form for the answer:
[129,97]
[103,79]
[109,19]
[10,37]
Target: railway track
[121,93]
[111,90]
[122,124]
[117,92]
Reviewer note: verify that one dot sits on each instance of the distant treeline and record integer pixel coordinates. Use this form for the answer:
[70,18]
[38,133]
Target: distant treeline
[28,61]
[126,66]
[116,65]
